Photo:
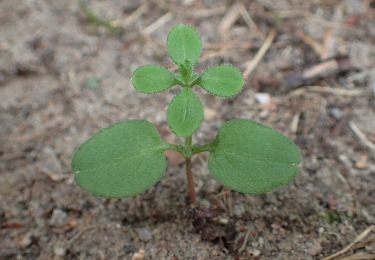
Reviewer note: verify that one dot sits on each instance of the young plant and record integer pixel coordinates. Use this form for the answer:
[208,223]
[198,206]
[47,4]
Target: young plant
[128,157]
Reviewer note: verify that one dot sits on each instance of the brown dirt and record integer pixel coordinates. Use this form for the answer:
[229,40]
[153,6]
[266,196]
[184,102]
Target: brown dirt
[63,78]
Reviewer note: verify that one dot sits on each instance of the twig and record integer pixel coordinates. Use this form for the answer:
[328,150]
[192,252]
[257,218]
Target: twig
[362,236]
[328,43]
[341,177]
[229,19]
[329,90]
[294,124]
[358,132]
[222,50]
[244,243]
[360,256]
[361,75]
[315,45]
[205,13]
[261,52]
[71,241]
[249,21]
[323,70]
[310,16]
[319,71]
[158,23]
[133,16]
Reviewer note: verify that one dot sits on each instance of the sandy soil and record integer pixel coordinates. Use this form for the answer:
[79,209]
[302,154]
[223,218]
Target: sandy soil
[65,74]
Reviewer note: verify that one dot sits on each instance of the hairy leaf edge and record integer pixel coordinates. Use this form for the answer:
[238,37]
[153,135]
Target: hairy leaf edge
[176,81]
[199,36]
[212,146]
[198,82]
[165,146]
[200,122]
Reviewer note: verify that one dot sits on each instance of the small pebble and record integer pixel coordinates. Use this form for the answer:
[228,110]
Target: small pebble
[223,221]
[263,98]
[59,251]
[239,210]
[210,114]
[144,234]
[205,203]
[58,218]
[315,249]
[26,240]
[140,255]
[362,162]
[50,165]
[336,113]
[255,252]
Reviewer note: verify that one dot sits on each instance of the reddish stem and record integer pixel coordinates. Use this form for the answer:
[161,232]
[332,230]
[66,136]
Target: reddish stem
[190,182]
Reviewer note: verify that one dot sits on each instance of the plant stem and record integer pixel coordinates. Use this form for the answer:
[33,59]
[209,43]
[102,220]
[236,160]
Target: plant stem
[172,147]
[202,148]
[188,143]
[189,175]
[190,182]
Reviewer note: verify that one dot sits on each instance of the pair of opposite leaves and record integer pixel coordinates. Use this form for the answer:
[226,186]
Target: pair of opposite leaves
[128,157]
[185,112]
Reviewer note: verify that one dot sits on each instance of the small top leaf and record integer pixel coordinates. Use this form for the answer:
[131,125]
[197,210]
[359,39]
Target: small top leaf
[184,43]
[152,78]
[222,80]
[252,158]
[121,160]
[185,113]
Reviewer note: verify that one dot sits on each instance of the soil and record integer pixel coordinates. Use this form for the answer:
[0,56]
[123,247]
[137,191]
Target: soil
[64,74]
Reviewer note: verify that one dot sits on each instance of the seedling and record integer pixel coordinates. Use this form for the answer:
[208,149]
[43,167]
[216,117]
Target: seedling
[128,157]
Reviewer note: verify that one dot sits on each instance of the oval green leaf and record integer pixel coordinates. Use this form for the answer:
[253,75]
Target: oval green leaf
[184,43]
[222,80]
[121,160]
[185,113]
[252,158]
[152,78]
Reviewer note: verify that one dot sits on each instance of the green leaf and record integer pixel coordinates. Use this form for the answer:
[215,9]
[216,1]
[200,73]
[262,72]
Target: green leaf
[152,78]
[252,158]
[121,160]
[184,43]
[185,113]
[222,80]
[186,70]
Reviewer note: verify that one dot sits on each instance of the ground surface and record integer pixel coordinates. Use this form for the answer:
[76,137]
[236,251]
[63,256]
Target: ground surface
[63,76]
